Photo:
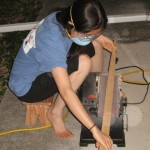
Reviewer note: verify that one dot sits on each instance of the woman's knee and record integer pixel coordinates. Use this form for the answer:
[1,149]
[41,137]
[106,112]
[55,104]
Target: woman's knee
[85,63]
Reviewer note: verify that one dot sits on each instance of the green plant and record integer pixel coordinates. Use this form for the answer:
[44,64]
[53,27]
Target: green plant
[16,11]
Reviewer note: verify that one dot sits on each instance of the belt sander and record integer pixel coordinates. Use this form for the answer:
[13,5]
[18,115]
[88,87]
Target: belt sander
[92,94]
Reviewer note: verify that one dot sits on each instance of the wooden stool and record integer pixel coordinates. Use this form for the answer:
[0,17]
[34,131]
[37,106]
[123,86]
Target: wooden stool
[36,111]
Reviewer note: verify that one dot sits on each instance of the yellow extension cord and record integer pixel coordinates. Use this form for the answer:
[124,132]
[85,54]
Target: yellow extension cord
[134,72]
[31,129]
[66,115]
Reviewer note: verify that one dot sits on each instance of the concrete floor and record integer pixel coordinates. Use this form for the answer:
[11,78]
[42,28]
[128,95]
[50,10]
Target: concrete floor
[12,113]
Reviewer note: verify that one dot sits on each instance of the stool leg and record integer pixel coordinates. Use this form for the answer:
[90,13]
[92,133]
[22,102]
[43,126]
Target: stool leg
[28,119]
[33,115]
[47,122]
[41,114]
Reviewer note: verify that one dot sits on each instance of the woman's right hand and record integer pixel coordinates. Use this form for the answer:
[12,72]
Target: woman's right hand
[102,140]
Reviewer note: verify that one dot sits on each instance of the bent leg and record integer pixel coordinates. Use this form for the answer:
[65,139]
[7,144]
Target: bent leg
[55,115]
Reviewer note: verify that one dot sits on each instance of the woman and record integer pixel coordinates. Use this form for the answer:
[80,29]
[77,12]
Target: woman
[56,56]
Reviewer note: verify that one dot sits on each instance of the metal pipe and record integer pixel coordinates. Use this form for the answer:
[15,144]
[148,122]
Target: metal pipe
[128,18]
[17,27]
[111,20]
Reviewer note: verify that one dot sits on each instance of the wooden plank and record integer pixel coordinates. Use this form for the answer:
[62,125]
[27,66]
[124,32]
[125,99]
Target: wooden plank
[106,121]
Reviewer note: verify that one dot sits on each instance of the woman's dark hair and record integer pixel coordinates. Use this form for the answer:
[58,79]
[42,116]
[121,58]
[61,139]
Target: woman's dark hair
[87,15]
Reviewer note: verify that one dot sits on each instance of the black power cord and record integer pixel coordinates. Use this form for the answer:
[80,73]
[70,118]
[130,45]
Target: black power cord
[143,74]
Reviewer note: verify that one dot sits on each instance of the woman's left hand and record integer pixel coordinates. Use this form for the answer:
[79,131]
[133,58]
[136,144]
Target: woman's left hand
[107,43]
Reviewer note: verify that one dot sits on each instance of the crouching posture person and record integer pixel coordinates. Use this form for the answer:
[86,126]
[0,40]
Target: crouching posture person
[56,57]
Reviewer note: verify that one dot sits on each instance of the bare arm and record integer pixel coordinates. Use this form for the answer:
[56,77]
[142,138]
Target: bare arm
[72,101]
[107,43]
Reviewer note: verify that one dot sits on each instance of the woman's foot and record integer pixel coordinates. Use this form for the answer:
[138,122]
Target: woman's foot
[58,125]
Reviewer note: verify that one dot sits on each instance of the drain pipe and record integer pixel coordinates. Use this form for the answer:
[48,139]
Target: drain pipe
[111,19]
